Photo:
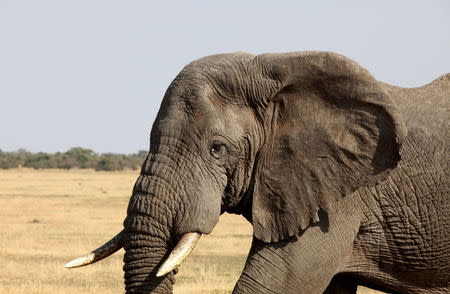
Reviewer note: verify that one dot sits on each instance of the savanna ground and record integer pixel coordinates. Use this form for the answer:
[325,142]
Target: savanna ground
[48,217]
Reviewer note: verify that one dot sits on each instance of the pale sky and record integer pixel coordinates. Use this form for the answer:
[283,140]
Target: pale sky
[93,73]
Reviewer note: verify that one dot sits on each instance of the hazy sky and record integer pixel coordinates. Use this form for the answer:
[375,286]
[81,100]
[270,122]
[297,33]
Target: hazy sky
[93,73]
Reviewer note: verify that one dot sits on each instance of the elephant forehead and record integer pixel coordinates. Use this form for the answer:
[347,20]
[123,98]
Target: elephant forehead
[233,77]
[203,118]
[219,119]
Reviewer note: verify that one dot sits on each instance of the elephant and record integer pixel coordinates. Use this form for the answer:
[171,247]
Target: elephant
[344,178]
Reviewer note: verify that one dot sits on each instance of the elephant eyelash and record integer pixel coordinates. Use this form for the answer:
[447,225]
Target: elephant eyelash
[218,149]
[221,137]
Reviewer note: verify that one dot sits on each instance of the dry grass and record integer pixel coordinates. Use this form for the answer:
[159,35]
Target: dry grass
[48,217]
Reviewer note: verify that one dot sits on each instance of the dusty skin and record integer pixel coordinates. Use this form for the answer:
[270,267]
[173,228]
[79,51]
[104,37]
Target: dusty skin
[46,216]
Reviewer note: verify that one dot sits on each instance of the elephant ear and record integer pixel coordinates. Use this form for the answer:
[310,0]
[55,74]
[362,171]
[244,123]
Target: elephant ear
[331,129]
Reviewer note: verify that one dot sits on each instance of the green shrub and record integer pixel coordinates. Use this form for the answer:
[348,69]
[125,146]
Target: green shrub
[7,160]
[76,157]
[81,157]
[39,160]
[110,162]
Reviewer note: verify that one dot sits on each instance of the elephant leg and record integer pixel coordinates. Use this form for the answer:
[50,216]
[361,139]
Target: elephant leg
[304,264]
[341,285]
[270,269]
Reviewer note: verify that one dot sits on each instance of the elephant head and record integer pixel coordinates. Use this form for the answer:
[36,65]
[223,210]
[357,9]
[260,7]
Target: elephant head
[275,137]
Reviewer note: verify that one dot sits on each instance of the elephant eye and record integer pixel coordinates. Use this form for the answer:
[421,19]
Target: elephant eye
[217,149]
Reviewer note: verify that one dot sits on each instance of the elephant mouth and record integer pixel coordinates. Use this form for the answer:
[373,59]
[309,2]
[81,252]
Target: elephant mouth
[179,253]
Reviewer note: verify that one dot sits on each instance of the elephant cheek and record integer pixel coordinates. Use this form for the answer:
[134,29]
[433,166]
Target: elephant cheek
[202,212]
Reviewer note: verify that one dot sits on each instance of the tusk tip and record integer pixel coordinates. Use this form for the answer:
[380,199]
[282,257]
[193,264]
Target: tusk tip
[182,250]
[160,274]
[98,254]
[81,261]
[164,270]
[69,264]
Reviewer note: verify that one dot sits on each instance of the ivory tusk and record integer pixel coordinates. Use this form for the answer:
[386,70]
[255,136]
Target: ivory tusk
[182,250]
[98,254]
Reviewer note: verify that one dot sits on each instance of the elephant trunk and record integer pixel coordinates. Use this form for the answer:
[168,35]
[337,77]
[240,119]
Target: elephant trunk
[157,243]
[143,256]
[149,226]
[170,207]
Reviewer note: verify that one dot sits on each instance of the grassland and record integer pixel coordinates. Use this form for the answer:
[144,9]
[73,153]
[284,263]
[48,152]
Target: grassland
[48,217]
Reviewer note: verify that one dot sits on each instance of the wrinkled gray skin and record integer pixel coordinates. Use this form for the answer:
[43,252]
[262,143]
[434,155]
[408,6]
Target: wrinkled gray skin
[344,178]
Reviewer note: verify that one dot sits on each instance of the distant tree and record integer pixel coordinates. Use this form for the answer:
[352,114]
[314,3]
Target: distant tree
[110,162]
[21,156]
[134,161]
[7,161]
[76,157]
[142,154]
[64,161]
[39,160]
[12,159]
[82,157]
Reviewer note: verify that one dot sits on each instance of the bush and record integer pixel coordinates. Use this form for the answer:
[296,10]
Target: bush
[83,158]
[39,160]
[76,157]
[110,162]
[134,161]
[7,160]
